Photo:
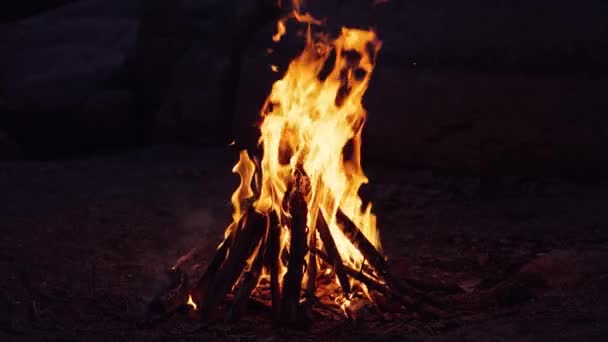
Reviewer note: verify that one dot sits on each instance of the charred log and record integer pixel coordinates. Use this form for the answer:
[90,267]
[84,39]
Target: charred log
[249,281]
[333,255]
[247,238]
[356,237]
[216,262]
[311,284]
[273,262]
[414,303]
[292,282]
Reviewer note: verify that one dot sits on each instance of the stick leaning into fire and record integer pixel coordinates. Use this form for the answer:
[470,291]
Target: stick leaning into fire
[299,226]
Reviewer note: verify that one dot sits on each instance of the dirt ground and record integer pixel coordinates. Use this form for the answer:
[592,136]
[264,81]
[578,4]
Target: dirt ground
[85,240]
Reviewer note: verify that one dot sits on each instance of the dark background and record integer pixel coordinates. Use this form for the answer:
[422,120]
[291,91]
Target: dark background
[476,87]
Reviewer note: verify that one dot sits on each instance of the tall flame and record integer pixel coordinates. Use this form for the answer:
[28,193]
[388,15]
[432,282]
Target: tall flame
[312,122]
[310,138]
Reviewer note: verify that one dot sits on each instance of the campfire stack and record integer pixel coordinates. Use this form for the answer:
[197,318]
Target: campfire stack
[300,236]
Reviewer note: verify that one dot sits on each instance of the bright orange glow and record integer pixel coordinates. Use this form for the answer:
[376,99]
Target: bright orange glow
[307,125]
[191,303]
[311,124]
[280,31]
[245,168]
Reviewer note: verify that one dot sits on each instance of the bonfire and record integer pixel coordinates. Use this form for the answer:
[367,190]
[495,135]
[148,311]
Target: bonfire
[301,237]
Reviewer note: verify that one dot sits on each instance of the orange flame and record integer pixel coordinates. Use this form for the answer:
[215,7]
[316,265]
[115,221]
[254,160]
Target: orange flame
[312,122]
[191,303]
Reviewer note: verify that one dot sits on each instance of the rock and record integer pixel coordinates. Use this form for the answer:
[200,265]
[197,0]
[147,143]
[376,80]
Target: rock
[557,270]
[62,66]
[189,110]
[164,34]
[184,63]
[107,112]
[9,149]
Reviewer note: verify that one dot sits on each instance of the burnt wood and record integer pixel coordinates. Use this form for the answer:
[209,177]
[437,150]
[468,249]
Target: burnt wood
[377,260]
[311,284]
[333,255]
[248,282]
[249,232]
[418,304]
[356,237]
[273,250]
[203,284]
[292,282]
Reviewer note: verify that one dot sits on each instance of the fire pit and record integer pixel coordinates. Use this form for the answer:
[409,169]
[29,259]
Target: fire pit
[301,236]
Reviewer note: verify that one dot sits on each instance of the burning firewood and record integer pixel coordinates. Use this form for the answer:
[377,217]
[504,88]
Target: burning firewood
[358,239]
[311,284]
[299,226]
[247,239]
[215,264]
[273,264]
[334,258]
[292,282]
[248,282]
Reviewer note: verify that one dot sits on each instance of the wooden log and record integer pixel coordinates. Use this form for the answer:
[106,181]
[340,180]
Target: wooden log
[334,258]
[311,274]
[220,256]
[356,237]
[273,250]
[292,282]
[415,303]
[311,270]
[375,258]
[246,239]
[248,282]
